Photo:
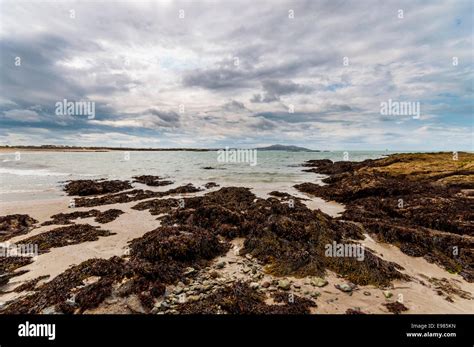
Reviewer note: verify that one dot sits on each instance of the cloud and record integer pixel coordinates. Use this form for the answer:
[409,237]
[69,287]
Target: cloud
[22,115]
[274,89]
[235,76]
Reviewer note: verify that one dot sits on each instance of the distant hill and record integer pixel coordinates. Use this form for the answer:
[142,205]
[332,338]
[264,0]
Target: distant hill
[286,148]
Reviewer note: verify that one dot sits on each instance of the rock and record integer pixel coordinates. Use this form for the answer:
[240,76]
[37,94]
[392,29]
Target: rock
[318,282]
[249,256]
[111,301]
[164,305]
[125,288]
[178,290]
[193,298]
[91,280]
[297,286]
[266,284]
[367,293]
[134,304]
[315,295]
[189,271]
[345,287]
[284,284]
[387,294]
[254,285]
[49,310]
[220,265]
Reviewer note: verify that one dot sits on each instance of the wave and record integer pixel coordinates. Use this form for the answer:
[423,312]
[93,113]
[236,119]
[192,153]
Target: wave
[31,172]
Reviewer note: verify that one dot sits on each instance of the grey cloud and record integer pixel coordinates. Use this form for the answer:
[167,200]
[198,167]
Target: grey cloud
[273,89]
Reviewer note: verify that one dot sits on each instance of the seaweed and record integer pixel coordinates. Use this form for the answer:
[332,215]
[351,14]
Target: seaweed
[395,307]
[30,285]
[415,201]
[100,217]
[152,181]
[15,225]
[95,187]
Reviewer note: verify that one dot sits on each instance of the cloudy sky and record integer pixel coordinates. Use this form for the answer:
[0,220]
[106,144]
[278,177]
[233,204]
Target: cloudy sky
[238,73]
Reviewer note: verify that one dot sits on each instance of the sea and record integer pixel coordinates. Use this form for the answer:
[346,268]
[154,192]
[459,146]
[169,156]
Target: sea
[42,175]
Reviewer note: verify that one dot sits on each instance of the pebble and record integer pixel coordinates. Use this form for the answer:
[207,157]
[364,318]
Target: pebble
[91,280]
[189,271]
[345,287]
[254,285]
[367,293]
[387,294]
[134,304]
[284,284]
[318,282]
[220,265]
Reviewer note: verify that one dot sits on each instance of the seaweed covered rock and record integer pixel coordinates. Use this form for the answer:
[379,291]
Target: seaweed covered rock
[133,195]
[14,225]
[100,217]
[95,187]
[184,244]
[152,181]
[419,202]
[290,239]
[9,265]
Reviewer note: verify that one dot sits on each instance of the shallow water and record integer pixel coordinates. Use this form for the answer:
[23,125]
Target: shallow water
[40,175]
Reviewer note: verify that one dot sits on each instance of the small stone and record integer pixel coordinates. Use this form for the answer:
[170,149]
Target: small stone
[345,287]
[134,304]
[266,284]
[193,298]
[249,256]
[284,284]
[315,294]
[297,286]
[111,301]
[388,294]
[49,310]
[367,293]
[254,285]
[318,282]
[91,280]
[189,271]
[125,288]
[220,265]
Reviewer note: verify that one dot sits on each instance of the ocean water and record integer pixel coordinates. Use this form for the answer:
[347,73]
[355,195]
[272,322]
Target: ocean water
[41,175]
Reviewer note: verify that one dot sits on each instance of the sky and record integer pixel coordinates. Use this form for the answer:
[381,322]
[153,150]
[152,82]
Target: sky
[238,73]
